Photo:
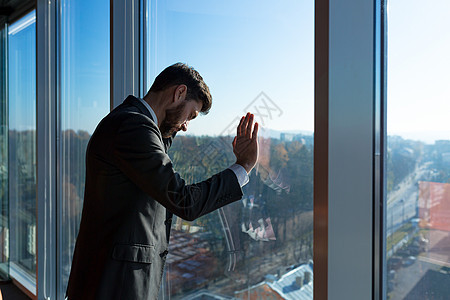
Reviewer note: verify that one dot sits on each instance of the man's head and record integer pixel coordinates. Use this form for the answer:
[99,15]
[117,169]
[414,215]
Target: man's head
[185,96]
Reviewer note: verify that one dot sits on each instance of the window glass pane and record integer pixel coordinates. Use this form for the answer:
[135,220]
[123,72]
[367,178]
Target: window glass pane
[22,144]
[418,158]
[84,101]
[4,212]
[255,56]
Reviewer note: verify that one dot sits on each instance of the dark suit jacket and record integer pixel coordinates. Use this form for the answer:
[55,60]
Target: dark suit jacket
[130,182]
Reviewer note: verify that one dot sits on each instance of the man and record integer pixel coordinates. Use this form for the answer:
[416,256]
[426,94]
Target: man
[132,190]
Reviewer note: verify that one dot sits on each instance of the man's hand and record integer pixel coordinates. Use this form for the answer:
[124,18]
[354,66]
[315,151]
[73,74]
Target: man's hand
[245,143]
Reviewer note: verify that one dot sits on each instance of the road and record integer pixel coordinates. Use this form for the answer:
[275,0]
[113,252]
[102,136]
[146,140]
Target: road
[402,203]
[408,276]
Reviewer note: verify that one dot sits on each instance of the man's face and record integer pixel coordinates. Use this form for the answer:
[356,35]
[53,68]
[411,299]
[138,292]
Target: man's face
[178,118]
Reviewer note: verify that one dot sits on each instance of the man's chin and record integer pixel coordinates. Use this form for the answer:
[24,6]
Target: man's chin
[168,134]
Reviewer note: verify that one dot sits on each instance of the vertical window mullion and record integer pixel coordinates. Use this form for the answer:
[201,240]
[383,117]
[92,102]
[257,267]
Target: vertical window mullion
[46,81]
[351,145]
[125,50]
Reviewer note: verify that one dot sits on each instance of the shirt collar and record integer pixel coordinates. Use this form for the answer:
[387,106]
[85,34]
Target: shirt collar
[150,110]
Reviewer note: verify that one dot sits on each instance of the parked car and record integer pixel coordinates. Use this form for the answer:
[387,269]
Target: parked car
[394,263]
[409,261]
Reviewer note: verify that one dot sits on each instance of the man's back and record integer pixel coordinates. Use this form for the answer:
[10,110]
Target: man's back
[123,238]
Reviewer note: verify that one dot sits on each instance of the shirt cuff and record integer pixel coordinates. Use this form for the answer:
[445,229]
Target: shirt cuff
[241,174]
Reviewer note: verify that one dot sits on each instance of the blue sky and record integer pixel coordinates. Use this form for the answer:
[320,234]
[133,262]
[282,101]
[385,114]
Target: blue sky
[418,69]
[85,59]
[22,73]
[243,48]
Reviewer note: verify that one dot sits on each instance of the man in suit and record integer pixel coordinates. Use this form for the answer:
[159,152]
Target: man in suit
[132,189]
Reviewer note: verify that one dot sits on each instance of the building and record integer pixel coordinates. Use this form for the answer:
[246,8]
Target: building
[297,284]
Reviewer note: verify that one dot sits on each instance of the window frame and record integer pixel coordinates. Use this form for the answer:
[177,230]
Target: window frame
[332,47]
[350,134]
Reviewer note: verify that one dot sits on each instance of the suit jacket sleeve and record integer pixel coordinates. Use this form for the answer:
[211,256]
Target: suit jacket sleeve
[139,152]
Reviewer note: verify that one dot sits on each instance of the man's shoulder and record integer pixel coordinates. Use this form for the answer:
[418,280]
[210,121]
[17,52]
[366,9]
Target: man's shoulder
[127,120]
[129,115]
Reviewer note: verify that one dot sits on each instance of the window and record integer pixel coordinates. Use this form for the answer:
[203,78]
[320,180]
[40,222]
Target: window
[255,56]
[418,158]
[4,212]
[22,148]
[85,100]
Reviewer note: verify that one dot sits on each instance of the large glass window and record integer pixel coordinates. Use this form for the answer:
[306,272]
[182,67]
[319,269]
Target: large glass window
[255,56]
[418,158]
[84,101]
[22,148]
[4,207]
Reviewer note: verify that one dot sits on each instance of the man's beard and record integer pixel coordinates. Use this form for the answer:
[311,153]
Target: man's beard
[171,123]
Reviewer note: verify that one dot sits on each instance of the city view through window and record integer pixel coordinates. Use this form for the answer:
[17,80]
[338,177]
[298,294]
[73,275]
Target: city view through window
[418,158]
[258,57]
[21,143]
[84,101]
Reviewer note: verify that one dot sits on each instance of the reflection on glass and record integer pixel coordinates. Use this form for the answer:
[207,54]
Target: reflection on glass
[418,162]
[255,56]
[4,212]
[22,143]
[84,101]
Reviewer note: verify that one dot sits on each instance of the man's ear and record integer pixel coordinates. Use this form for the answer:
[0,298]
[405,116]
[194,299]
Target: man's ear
[180,93]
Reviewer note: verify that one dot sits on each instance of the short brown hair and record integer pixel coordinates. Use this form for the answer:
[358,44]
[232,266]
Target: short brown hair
[181,73]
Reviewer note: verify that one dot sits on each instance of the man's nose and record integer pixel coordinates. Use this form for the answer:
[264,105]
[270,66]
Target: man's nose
[184,126]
